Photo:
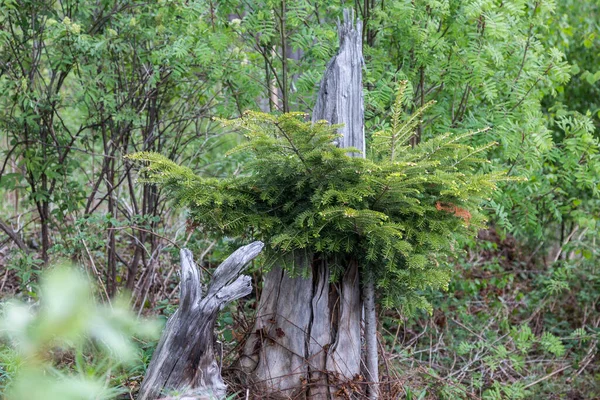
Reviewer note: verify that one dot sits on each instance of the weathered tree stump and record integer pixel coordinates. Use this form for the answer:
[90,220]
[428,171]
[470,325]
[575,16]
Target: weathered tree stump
[306,339]
[340,97]
[184,360]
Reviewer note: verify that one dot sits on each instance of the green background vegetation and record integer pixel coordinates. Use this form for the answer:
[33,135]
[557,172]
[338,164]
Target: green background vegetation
[84,83]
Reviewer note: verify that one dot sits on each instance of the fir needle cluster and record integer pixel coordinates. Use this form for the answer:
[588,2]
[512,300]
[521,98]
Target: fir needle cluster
[399,213]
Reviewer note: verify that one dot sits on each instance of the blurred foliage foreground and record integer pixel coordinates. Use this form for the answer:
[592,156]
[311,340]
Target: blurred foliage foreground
[67,346]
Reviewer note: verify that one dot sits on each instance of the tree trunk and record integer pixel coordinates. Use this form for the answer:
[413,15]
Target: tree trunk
[306,339]
[340,100]
[371,355]
[184,359]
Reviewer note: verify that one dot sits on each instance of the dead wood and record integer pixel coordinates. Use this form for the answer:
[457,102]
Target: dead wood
[184,360]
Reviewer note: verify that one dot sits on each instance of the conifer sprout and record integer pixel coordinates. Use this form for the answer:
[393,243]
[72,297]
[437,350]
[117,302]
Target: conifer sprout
[299,192]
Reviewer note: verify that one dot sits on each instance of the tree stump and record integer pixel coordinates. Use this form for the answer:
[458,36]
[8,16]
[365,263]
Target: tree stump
[306,339]
[184,360]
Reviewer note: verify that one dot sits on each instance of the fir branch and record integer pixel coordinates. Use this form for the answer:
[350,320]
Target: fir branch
[293,147]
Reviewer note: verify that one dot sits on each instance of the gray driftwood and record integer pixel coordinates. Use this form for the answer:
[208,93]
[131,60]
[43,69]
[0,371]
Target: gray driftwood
[184,360]
[306,339]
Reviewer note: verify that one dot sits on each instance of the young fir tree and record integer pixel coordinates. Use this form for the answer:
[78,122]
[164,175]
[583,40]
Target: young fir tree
[398,214]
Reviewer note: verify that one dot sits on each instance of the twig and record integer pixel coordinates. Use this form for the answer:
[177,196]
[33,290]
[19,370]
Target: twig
[14,236]
[4,280]
[465,327]
[567,240]
[118,228]
[96,270]
[470,394]
[546,377]
[591,354]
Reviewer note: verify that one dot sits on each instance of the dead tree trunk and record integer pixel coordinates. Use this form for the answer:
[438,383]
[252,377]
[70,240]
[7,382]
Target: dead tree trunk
[306,339]
[340,100]
[184,359]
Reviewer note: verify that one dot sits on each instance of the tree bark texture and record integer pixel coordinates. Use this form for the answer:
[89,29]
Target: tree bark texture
[340,98]
[306,339]
[184,359]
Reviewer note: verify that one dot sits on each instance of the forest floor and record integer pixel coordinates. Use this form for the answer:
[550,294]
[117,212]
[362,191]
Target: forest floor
[495,334]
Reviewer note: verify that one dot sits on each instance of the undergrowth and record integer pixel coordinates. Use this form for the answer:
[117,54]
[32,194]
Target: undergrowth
[509,327]
[514,324]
